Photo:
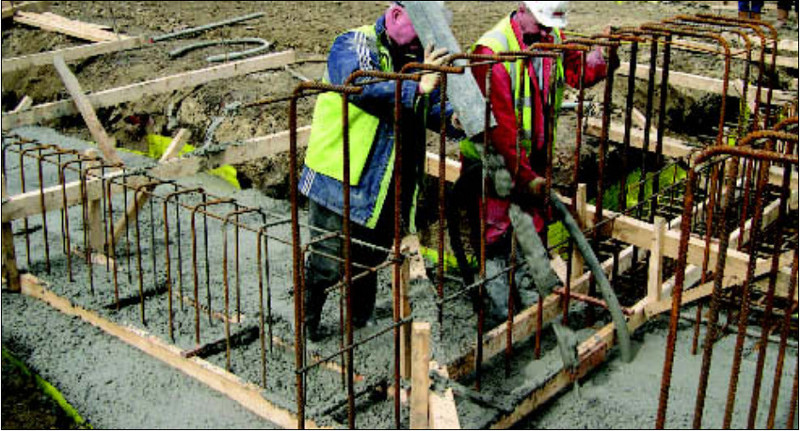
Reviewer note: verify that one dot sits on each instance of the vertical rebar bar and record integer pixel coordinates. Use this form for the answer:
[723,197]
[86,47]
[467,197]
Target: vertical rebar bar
[112,253]
[441,206]
[397,224]
[793,402]
[669,356]
[139,260]
[296,262]
[626,139]
[787,320]
[777,241]
[711,332]
[648,118]
[482,215]
[168,265]
[44,213]
[575,180]
[25,226]
[261,333]
[662,114]
[86,244]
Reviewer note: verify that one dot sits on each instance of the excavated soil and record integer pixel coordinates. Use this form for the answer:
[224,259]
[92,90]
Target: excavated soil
[123,388]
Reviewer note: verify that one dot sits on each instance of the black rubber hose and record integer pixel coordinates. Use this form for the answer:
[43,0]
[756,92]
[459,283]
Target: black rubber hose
[620,323]
[459,197]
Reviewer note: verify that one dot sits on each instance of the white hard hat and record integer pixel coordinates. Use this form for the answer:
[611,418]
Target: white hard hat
[549,13]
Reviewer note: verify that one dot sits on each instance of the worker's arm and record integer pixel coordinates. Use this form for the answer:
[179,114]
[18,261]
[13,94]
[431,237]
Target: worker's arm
[351,52]
[504,135]
[596,67]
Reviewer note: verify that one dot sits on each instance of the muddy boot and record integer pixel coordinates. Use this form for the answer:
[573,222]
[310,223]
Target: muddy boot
[496,292]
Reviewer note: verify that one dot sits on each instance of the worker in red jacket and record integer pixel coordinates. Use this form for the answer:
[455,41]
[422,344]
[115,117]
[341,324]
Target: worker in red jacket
[532,22]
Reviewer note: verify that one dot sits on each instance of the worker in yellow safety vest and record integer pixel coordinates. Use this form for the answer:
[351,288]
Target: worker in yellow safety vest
[387,45]
[523,155]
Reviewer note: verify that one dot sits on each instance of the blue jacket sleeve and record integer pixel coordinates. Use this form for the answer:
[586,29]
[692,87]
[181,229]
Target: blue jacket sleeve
[351,52]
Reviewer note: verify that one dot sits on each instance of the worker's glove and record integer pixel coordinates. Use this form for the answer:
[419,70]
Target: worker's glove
[536,188]
[430,80]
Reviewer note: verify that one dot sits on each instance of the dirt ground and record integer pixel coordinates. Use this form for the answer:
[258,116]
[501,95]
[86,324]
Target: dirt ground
[309,28]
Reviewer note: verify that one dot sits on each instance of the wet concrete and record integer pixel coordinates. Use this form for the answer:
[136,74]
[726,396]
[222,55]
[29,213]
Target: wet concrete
[107,380]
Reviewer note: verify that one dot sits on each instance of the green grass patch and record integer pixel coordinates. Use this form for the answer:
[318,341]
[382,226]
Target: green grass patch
[48,390]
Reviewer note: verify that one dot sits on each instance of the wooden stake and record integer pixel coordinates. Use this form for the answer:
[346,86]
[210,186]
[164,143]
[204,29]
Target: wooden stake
[10,271]
[580,210]
[443,412]
[405,330]
[96,229]
[655,271]
[141,198]
[24,104]
[105,143]
[420,381]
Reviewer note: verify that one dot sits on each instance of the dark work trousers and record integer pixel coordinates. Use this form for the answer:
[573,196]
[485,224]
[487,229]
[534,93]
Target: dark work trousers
[321,272]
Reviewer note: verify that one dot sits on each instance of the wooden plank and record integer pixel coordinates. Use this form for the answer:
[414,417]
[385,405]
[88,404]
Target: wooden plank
[71,54]
[246,394]
[129,93]
[769,216]
[405,311]
[83,104]
[443,411]
[688,297]
[638,233]
[787,45]
[741,53]
[420,380]
[591,353]
[59,24]
[656,264]
[671,147]
[23,104]
[525,322]
[452,167]
[638,118]
[27,204]
[580,210]
[31,6]
[67,21]
[702,83]
[95,211]
[176,145]
[776,177]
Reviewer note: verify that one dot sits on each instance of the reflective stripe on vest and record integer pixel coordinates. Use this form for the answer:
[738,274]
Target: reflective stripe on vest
[324,153]
[502,38]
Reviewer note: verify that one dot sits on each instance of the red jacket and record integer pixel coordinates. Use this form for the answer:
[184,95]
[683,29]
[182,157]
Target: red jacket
[503,136]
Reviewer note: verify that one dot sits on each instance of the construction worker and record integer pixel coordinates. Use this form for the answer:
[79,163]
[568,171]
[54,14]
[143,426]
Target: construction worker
[387,45]
[750,9]
[531,22]
[784,7]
